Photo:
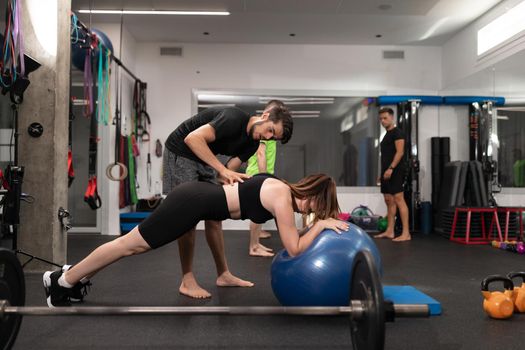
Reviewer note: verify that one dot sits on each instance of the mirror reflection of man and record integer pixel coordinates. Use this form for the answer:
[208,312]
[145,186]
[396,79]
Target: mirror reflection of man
[518,168]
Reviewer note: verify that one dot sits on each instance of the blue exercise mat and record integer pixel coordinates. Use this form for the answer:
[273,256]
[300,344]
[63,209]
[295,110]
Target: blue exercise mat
[411,295]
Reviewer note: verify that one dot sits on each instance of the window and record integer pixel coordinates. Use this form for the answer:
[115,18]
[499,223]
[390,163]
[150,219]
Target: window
[501,30]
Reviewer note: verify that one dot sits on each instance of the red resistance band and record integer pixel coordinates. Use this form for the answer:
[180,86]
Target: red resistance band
[3,181]
[70,170]
[91,196]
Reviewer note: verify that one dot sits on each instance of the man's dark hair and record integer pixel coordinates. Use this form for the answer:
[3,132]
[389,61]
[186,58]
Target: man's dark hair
[282,114]
[274,103]
[386,110]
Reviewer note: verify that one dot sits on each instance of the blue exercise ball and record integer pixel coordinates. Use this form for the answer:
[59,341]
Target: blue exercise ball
[321,275]
[78,50]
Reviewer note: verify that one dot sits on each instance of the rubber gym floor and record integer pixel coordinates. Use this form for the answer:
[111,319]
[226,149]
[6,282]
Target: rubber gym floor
[448,272]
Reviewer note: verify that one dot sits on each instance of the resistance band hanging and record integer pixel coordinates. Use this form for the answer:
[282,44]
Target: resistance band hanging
[103,84]
[13,41]
[70,170]
[88,83]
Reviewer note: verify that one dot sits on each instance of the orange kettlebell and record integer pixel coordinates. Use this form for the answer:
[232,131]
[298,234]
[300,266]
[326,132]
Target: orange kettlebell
[498,304]
[518,294]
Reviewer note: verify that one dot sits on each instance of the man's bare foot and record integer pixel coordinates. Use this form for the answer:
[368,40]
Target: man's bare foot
[403,238]
[265,248]
[260,251]
[265,234]
[229,280]
[385,235]
[190,288]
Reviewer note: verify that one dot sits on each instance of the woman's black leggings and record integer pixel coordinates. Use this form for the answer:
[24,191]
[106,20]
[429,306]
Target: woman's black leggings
[182,209]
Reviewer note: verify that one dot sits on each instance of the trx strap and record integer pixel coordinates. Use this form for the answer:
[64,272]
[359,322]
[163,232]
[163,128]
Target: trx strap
[142,123]
[139,105]
[123,172]
[158,148]
[148,171]
[131,168]
[122,185]
[91,196]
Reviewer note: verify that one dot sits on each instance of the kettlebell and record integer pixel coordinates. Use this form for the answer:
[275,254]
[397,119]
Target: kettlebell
[518,294]
[498,304]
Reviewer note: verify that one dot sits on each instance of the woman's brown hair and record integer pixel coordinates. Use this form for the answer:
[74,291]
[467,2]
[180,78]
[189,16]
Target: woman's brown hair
[321,189]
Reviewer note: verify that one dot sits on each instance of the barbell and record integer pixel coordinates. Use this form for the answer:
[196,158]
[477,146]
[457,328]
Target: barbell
[367,310]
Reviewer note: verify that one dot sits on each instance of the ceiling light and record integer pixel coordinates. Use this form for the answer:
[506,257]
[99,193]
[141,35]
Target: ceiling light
[156,12]
[211,105]
[297,100]
[298,114]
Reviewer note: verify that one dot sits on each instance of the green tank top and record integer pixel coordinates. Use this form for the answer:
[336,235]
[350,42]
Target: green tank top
[271,150]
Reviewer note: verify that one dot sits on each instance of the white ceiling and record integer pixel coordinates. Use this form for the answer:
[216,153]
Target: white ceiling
[346,22]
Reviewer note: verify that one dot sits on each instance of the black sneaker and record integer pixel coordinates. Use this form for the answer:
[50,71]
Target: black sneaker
[55,293]
[80,289]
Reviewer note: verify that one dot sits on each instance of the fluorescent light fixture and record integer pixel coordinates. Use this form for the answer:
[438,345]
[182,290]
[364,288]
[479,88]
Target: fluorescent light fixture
[298,100]
[210,105]
[502,28]
[299,114]
[156,12]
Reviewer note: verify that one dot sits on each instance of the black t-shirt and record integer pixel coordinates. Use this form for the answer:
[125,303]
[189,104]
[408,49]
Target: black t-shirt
[231,137]
[388,148]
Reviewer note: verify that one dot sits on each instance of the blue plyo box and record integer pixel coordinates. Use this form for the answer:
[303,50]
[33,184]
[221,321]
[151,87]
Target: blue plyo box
[411,295]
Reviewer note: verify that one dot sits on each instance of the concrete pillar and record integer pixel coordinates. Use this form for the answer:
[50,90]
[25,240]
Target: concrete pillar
[46,29]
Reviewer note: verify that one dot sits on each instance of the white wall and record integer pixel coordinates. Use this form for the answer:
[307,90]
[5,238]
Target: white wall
[341,70]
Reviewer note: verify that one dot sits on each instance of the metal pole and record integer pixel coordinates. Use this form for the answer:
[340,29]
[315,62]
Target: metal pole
[177,310]
[356,310]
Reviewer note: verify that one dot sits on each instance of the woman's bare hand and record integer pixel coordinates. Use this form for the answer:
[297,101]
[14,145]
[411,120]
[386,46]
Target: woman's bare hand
[334,224]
